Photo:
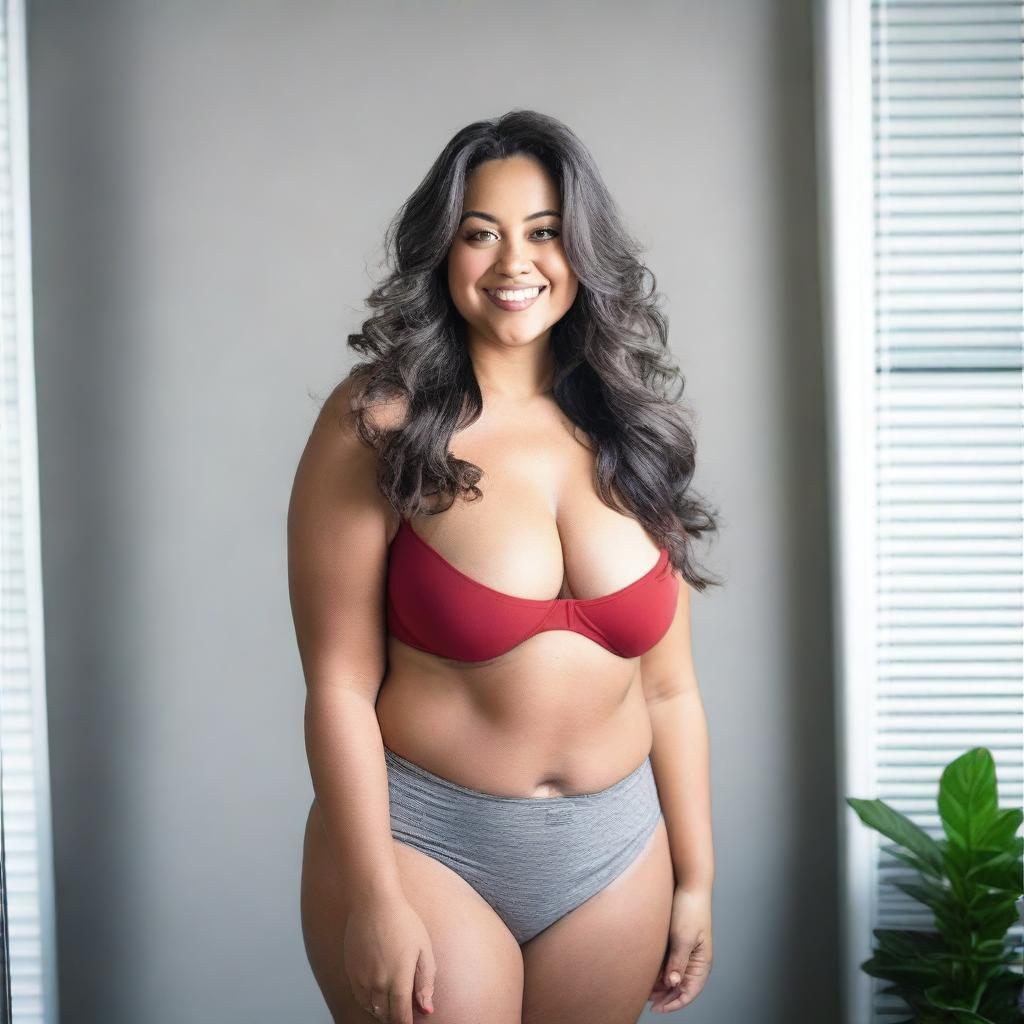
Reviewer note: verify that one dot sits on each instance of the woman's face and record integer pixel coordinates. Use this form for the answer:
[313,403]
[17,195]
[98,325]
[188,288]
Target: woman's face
[510,238]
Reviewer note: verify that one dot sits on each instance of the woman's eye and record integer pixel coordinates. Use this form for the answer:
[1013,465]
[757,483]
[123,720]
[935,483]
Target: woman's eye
[475,236]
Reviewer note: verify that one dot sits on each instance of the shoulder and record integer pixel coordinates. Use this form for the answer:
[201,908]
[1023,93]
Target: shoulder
[338,467]
[337,463]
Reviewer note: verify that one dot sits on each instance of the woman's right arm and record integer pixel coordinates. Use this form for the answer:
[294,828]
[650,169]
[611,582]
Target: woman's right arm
[337,566]
[337,571]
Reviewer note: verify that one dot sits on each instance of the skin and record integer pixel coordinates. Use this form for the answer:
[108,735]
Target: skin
[557,715]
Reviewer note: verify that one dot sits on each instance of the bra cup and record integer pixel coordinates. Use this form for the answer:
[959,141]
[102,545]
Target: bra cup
[445,614]
[636,621]
[592,630]
[434,607]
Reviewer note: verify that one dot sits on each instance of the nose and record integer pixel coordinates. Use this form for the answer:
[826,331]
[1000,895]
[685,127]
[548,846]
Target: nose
[511,260]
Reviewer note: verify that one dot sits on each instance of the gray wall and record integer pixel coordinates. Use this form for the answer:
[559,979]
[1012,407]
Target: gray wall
[209,185]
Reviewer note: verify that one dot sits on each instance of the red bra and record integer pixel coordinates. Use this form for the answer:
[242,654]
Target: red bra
[433,606]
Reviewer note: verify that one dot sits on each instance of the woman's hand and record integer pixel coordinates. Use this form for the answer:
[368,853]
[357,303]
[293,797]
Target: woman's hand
[688,959]
[389,959]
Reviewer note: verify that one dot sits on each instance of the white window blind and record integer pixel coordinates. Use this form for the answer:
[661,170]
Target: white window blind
[921,117]
[27,847]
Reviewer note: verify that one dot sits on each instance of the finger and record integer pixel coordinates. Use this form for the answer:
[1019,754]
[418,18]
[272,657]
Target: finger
[676,1004]
[683,998]
[374,1004]
[400,1006]
[423,979]
[378,1004]
[675,966]
[672,976]
[660,991]
[692,984]
[686,991]
[664,996]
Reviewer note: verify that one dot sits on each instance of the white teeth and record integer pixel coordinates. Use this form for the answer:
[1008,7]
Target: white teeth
[507,296]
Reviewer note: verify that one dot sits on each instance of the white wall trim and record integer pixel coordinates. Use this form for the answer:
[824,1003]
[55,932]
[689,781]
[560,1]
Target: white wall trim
[843,114]
[23,319]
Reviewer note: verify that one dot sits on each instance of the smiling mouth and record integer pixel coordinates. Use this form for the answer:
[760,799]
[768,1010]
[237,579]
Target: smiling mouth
[512,305]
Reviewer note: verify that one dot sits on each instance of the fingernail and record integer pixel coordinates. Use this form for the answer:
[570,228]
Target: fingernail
[674,977]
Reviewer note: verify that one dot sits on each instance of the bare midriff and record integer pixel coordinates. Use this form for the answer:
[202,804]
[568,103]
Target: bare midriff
[556,716]
[559,714]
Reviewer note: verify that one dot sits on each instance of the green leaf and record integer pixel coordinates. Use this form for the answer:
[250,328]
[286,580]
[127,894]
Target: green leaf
[1001,829]
[963,1006]
[967,797]
[911,861]
[1003,872]
[931,895]
[1001,1000]
[957,862]
[996,922]
[990,944]
[916,974]
[907,942]
[877,814]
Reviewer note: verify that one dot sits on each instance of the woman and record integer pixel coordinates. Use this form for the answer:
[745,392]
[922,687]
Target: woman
[511,818]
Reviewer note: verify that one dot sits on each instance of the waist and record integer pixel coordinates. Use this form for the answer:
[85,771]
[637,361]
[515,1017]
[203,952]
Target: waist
[521,748]
[416,778]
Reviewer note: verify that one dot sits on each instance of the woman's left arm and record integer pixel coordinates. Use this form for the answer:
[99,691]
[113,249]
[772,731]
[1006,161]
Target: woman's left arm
[680,759]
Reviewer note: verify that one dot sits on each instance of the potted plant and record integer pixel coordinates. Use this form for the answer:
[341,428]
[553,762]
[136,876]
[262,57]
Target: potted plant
[971,881]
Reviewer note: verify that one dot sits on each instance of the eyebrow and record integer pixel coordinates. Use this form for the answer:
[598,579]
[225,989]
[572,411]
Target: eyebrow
[494,220]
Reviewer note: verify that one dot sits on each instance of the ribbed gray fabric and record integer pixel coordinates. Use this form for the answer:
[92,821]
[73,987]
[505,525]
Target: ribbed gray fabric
[532,858]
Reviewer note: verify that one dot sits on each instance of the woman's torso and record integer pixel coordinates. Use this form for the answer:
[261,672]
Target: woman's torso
[558,713]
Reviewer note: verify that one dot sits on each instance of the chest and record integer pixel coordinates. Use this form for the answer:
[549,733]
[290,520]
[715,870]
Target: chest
[539,551]
[541,529]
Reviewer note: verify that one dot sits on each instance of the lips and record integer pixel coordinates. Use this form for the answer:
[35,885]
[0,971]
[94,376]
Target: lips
[514,307]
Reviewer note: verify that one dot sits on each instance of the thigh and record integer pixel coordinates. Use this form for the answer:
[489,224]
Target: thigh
[599,963]
[479,963]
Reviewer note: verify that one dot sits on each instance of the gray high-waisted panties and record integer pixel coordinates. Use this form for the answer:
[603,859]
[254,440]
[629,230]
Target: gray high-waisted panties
[533,859]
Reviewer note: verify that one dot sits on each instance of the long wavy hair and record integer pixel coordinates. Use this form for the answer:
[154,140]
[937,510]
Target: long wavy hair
[613,370]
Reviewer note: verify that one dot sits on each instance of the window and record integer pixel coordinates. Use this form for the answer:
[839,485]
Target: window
[920,139]
[28,990]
